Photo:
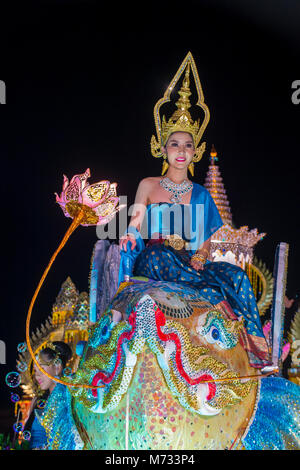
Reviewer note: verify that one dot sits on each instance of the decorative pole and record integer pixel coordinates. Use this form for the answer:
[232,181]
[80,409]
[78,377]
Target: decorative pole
[278,307]
[87,205]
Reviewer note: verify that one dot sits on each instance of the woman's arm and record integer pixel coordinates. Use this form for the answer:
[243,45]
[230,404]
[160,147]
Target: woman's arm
[138,213]
[201,255]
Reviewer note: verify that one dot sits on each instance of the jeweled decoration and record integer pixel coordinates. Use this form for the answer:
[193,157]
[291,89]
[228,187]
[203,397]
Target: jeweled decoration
[176,190]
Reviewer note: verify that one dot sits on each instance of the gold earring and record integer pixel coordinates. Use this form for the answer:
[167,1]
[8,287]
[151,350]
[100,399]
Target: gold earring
[165,166]
[191,168]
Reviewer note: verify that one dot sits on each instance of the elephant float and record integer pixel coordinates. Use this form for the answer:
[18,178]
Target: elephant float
[171,371]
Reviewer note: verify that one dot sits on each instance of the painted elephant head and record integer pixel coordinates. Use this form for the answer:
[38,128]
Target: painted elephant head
[159,372]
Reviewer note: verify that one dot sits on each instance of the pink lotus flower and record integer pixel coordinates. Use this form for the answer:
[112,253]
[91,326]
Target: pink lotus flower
[94,204]
[99,200]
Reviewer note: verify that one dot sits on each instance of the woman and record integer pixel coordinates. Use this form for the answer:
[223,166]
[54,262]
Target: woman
[179,151]
[53,360]
[179,243]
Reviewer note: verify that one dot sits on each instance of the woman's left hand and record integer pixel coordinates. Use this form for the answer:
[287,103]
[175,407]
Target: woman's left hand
[197,265]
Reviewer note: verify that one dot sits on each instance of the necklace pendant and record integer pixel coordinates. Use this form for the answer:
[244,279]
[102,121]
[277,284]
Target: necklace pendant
[175,198]
[176,190]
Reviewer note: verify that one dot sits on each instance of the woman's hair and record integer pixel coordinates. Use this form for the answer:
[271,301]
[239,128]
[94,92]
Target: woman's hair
[60,350]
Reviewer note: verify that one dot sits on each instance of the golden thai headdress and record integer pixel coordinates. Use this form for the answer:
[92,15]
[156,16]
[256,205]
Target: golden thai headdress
[181,119]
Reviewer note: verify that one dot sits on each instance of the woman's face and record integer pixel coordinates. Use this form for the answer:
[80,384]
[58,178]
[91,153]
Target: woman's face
[180,150]
[53,369]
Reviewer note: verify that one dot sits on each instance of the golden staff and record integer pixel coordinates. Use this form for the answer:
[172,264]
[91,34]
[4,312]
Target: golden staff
[76,222]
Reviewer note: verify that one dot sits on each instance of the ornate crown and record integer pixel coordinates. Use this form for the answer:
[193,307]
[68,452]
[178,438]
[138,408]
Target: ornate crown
[181,120]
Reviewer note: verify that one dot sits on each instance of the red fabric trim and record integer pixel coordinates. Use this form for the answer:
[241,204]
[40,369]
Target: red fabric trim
[160,321]
[125,335]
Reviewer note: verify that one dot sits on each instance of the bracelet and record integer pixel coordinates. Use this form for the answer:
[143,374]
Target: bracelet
[202,250]
[197,257]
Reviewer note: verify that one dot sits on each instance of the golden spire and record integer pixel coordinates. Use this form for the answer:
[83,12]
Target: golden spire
[67,297]
[181,120]
[183,104]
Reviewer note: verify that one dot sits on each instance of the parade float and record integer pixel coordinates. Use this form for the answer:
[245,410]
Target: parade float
[69,322]
[159,364]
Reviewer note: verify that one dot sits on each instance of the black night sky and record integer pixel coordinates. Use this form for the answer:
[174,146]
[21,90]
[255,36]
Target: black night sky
[80,94]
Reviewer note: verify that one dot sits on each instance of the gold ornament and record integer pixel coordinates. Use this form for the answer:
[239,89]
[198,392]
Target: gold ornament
[51,346]
[155,148]
[89,216]
[199,258]
[165,166]
[175,241]
[199,152]
[191,168]
[181,120]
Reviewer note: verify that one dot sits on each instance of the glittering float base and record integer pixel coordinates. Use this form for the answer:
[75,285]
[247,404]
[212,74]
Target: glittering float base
[149,417]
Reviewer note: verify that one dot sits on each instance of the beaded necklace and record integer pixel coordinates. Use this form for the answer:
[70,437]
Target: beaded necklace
[177,190]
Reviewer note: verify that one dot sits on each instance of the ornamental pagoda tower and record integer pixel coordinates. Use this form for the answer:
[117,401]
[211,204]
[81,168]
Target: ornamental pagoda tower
[214,184]
[69,322]
[65,302]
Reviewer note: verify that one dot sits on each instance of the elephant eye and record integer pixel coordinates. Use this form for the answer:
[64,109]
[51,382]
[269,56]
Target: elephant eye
[216,330]
[101,334]
[104,330]
[215,333]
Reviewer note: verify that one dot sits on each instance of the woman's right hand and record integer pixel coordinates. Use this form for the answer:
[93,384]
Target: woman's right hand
[124,241]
